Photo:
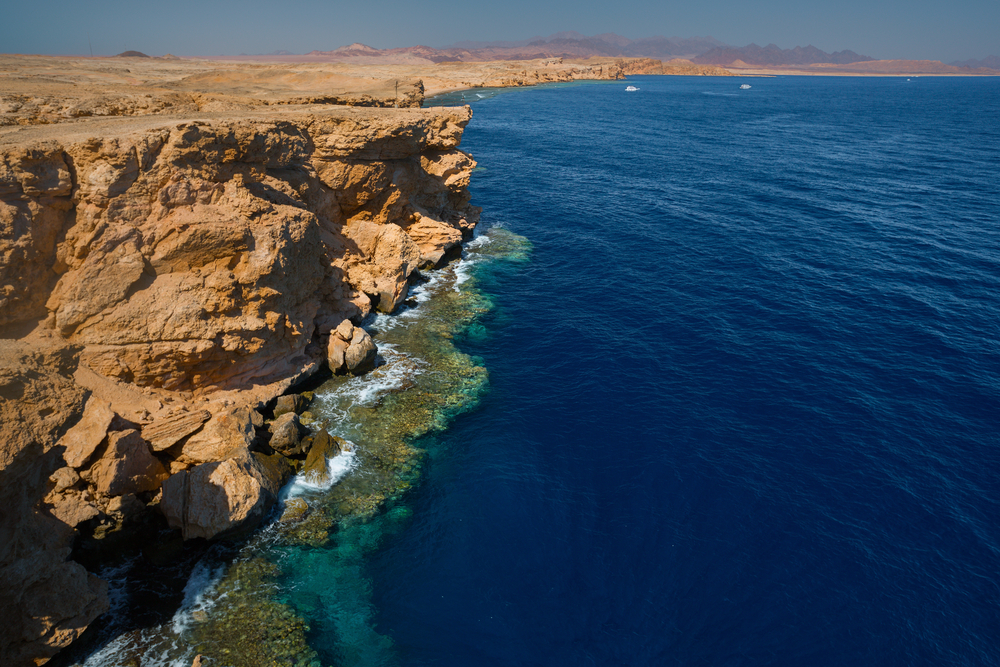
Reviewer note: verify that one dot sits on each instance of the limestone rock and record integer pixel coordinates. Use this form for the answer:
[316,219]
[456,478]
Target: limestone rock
[360,356]
[351,350]
[81,440]
[73,508]
[177,261]
[47,599]
[218,499]
[291,403]
[126,506]
[127,466]
[286,435]
[164,433]
[229,430]
[64,478]
[434,238]
[324,447]
[391,257]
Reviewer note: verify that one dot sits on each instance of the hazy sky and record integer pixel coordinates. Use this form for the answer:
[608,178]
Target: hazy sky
[911,29]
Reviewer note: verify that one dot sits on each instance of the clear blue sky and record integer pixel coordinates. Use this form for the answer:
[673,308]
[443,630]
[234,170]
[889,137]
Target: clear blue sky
[912,29]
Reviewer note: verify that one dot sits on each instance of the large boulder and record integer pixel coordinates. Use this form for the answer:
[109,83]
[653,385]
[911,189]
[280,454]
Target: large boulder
[220,499]
[127,466]
[228,431]
[82,440]
[434,238]
[351,350]
[166,432]
[324,447]
[287,435]
[296,403]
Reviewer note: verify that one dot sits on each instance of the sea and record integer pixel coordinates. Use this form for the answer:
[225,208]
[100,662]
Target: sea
[717,383]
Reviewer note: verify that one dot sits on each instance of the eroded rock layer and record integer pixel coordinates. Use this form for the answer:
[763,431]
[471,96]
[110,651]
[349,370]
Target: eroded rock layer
[160,282]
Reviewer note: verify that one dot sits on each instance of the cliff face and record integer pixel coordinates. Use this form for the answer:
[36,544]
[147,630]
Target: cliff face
[162,279]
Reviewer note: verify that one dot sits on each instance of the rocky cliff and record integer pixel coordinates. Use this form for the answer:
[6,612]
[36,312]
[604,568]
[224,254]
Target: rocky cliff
[162,281]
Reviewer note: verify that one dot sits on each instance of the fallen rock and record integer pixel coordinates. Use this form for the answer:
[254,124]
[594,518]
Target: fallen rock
[73,508]
[296,403]
[126,506]
[324,447]
[360,356]
[350,350]
[227,431]
[219,499]
[64,478]
[165,433]
[127,466]
[336,349]
[286,435]
[81,440]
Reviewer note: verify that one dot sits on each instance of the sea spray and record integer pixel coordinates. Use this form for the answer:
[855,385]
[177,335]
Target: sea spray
[296,593]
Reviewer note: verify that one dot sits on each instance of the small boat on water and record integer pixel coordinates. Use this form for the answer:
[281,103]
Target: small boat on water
[631,88]
[745,86]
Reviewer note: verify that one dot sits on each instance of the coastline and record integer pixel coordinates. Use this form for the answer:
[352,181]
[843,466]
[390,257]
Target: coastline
[166,283]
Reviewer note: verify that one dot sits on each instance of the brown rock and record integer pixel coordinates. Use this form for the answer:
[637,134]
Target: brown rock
[229,430]
[434,238]
[46,599]
[127,466]
[126,506]
[81,440]
[324,447]
[286,435]
[295,510]
[73,509]
[296,403]
[391,257]
[64,478]
[218,499]
[165,433]
[336,353]
[360,356]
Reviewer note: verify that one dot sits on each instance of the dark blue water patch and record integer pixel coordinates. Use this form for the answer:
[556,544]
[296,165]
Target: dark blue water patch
[744,397]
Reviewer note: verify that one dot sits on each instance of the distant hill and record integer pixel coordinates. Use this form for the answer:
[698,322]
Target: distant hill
[131,54]
[773,56]
[991,62]
[558,45]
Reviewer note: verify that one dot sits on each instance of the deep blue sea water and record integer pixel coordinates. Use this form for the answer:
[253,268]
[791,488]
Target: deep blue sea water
[745,395]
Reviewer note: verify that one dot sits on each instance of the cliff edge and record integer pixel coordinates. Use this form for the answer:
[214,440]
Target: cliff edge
[162,280]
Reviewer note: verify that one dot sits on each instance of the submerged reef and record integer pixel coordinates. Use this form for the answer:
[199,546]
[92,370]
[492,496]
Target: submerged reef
[296,592]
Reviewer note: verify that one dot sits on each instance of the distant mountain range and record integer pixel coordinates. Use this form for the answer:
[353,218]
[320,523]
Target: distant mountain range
[559,45]
[772,55]
[991,62]
[574,45]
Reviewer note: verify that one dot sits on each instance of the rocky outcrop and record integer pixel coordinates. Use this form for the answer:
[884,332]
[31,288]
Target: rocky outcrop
[47,600]
[160,284]
[350,350]
[215,499]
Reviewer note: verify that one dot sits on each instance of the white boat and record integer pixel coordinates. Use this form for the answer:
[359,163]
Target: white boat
[745,86]
[631,88]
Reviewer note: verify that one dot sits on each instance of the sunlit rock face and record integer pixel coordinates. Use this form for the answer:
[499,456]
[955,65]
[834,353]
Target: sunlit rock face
[159,283]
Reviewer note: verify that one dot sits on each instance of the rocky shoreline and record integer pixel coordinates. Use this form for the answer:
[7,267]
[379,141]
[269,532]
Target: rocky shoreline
[163,286]
[181,246]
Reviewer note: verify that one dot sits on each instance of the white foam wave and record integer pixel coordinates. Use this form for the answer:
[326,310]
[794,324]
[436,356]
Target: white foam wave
[122,652]
[336,466]
[198,596]
[462,273]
